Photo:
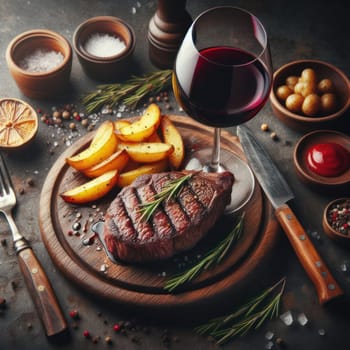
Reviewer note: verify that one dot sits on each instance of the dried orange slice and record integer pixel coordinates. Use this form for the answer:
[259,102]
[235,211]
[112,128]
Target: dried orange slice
[18,123]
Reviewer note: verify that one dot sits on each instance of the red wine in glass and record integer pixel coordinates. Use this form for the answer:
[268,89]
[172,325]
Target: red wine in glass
[236,91]
[222,78]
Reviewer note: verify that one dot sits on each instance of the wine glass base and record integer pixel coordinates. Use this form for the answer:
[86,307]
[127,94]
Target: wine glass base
[244,183]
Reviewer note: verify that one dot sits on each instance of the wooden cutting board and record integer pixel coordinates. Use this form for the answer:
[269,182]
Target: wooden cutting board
[141,286]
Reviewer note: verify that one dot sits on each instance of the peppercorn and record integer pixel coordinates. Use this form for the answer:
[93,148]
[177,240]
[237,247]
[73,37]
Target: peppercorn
[274,136]
[108,339]
[338,217]
[2,303]
[74,314]
[72,126]
[264,127]
[66,115]
[56,114]
[116,327]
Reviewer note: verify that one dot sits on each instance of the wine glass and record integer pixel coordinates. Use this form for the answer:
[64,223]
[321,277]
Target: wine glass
[222,78]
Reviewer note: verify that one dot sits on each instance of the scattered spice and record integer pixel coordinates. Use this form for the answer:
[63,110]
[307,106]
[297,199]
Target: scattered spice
[2,303]
[108,339]
[116,327]
[338,216]
[86,334]
[264,127]
[274,136]
[74,314]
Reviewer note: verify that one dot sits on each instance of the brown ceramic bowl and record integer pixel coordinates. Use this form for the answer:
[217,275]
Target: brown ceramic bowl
[306,175]
[332,230]
[39,82]
[300,121]
[104,67]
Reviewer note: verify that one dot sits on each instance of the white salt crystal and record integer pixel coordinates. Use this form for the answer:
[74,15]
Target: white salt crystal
[287,318]
[104,45]
[302,319]
[40,61]
[269,335]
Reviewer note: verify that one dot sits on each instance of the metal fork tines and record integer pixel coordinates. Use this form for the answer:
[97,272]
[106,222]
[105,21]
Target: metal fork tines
[34,275]
[8,201]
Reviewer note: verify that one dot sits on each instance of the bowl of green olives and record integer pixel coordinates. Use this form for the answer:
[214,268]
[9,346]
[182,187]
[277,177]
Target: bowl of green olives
[310,94]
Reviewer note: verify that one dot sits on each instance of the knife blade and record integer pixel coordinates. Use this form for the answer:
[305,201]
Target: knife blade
[279,193]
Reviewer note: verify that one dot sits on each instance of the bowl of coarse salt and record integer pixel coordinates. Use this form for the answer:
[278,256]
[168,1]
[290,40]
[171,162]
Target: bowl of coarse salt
[104,45]
[40,62]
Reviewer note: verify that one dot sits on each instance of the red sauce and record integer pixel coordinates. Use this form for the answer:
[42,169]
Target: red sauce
[328,159]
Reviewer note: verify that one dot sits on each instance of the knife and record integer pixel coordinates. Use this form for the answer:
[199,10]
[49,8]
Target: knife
[279,193]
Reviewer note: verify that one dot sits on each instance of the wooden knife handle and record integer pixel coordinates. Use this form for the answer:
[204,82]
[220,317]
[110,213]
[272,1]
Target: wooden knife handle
[326,286]
[41,291]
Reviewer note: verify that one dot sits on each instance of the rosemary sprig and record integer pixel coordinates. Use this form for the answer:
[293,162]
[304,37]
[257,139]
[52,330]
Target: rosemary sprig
[171,190]
[211,258]
[247,317]
[129,93]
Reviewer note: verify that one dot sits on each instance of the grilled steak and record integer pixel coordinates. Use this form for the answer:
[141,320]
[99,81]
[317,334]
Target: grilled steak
[176,226]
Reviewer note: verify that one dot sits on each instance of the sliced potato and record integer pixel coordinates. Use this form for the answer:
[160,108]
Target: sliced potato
[102,146]
[143,128]
[117,160]
[147,152]
[128,177]
[172,136]
[121,123]
[92,190]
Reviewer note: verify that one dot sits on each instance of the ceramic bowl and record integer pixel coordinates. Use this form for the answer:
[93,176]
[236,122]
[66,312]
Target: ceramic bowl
[331,223]
[34,73]
[104,67]
[299,121]
[309,177]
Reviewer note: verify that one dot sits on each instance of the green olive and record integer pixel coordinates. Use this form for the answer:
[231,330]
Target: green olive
[294,103]
[328,103]
[311,105]
[283,92]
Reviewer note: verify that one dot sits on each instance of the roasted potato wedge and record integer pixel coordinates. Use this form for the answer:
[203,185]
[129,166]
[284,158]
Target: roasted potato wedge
[117,160]
[143,128]
[172,136]
[128,177]
[121,123]
[101,147]
[93,189]
[147,152]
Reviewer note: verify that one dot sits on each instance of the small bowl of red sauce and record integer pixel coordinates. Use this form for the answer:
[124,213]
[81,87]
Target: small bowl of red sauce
[322,160]
[336,220]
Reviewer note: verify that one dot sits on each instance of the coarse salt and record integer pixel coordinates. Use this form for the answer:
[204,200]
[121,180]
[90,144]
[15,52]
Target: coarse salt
[104,45]
[41,60]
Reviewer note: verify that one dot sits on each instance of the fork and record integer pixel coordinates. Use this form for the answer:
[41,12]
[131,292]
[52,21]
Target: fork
[34,275]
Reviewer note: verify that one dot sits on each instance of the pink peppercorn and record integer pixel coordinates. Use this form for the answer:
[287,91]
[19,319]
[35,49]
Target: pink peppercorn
[116,327]
[74,314]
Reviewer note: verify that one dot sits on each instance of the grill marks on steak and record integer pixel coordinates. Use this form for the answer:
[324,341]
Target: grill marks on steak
[177,225]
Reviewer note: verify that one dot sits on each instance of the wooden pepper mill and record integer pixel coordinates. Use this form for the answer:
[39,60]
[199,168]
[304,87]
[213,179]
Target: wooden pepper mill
[166,30]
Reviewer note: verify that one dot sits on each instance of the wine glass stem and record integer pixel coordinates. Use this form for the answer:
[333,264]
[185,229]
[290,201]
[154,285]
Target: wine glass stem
[215,157]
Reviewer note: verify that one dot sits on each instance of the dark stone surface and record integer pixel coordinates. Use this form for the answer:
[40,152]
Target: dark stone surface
[298,29]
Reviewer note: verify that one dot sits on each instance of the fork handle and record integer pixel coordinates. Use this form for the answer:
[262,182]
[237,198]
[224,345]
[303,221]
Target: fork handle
[40,290]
